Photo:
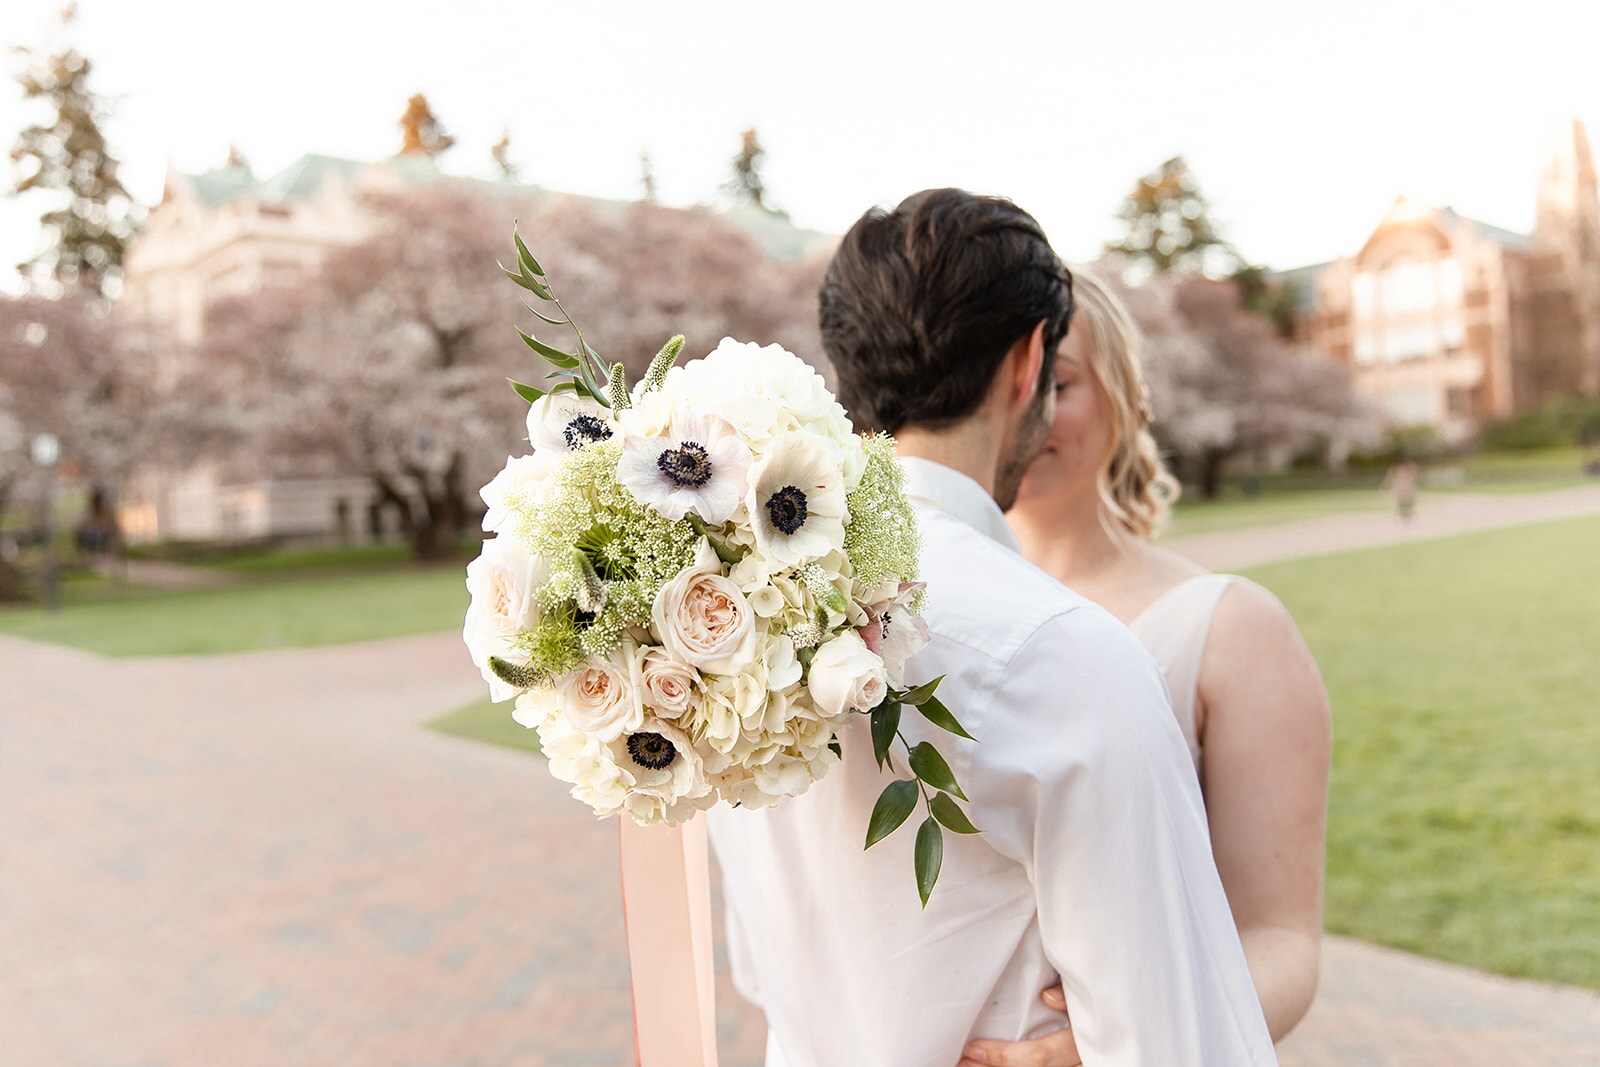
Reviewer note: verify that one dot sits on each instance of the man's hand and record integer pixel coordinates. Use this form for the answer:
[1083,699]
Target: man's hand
[1059,1049]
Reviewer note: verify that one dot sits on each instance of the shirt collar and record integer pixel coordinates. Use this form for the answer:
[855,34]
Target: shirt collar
[958,494]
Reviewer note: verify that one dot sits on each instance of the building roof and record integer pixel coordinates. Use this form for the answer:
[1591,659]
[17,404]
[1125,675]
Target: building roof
[1302,282]
[302,179]
[1498,234]
[219,186]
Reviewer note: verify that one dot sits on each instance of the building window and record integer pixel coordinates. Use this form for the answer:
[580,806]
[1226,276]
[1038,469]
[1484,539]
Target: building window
[1364,295]
[1460,403]
[1453,334]
[1407,287]
[1412,407]
[1450,282]
[1410,342]
[1366,347]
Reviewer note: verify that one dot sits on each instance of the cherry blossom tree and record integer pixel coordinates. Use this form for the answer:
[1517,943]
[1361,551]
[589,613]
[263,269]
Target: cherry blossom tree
[1224,383]
[392,362]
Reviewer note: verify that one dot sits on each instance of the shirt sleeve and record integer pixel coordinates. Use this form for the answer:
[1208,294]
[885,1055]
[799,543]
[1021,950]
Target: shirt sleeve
[1087,780]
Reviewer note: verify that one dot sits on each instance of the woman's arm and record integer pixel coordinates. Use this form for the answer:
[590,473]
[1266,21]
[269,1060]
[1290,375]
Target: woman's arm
[1266,738]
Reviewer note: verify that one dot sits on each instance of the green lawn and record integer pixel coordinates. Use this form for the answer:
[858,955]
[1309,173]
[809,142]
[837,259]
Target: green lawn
[485,721]
[1297,494]
[1464,817]
[1525,472]
[1273,507]
[313,606]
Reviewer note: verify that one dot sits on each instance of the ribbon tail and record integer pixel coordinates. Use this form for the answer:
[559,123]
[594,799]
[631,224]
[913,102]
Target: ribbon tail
[666,904]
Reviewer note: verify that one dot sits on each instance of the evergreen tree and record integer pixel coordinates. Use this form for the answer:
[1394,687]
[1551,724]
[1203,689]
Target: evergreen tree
[647,179]
[502,160]
[66,154]
[1168,226]
[423,135]
[748,185]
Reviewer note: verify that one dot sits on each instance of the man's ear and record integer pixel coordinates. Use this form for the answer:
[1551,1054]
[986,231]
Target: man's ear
[1026,362]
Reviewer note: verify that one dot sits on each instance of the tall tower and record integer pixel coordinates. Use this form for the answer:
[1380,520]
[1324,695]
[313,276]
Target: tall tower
[1566,270]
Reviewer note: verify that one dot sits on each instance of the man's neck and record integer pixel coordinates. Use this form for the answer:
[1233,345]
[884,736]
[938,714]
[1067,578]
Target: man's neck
[972,447]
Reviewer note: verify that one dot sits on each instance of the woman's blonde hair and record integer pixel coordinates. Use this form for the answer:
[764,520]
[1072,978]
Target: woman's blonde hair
[1136,489]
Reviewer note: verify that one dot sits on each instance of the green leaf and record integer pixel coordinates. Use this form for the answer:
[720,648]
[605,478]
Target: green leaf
[565,387]
[950,814]
[552,354]
[546,318]
[839,752]
[725,552]
[929,857]
[526,392]
[525,282]
[529,264]
[921,692]
[893,806]
[927,764]
[935,712]
[885,721]
[605,368]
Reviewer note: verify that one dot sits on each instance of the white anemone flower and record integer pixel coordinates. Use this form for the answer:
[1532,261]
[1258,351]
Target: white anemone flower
[565,422]
[664,775]
[797,499]
[701,466]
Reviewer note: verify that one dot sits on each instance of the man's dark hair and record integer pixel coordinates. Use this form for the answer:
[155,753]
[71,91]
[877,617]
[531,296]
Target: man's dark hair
[921,304]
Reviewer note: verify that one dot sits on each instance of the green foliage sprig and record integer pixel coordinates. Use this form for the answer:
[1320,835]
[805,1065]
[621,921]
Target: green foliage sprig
[899,798]
[582,371]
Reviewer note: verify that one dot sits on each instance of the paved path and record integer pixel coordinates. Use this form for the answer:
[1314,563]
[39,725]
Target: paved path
[160,573]
[1438,515]
[261,859]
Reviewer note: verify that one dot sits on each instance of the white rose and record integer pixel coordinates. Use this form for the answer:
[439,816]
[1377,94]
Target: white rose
[702,619]
[503,582]
[668,683]
[846,675]
[602,697]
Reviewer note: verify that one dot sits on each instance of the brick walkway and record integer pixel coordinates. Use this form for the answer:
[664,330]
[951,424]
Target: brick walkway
[261,860]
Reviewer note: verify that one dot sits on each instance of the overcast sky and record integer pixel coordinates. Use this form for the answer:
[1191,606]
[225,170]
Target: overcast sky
[1302,120]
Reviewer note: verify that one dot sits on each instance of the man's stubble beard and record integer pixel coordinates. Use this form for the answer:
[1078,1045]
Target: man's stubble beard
[1032,432]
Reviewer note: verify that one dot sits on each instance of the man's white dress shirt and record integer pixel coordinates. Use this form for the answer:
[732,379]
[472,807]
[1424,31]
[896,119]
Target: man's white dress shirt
[1094,863]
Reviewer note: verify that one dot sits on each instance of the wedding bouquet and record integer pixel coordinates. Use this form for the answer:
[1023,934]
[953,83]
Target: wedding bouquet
[694,582]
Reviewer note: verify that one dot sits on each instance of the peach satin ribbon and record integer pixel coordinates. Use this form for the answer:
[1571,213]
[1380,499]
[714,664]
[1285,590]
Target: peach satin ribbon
[666,904]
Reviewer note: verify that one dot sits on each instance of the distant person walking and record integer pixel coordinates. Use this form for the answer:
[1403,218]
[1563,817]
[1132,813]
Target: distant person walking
[1403,478]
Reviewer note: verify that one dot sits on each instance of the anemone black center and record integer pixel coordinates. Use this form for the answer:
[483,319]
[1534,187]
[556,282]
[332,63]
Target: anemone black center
[688,466]
[585,430]
[651,751]
[787,509]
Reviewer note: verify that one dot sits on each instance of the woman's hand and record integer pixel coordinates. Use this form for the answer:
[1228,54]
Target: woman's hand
[1059,1049]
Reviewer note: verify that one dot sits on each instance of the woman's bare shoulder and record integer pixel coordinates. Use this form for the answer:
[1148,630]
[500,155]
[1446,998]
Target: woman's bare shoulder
[1254,641]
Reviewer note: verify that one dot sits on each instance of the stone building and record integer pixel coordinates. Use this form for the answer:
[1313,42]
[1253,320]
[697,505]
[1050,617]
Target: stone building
[229,233]
[1450,322]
